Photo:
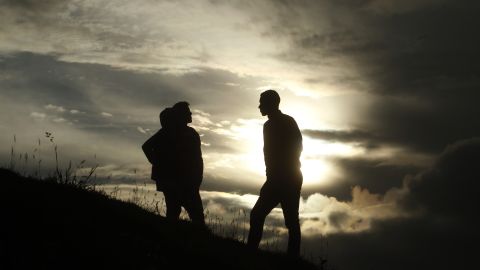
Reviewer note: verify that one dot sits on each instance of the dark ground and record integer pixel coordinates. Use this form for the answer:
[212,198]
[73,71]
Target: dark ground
[46,225]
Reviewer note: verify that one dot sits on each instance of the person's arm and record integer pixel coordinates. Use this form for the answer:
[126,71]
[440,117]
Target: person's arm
[149,149]
[297,138]
[198,156]
[266,154]
[293,143]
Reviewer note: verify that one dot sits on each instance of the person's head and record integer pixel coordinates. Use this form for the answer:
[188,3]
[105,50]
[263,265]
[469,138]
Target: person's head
[183,115]
[269,101]
[166,117]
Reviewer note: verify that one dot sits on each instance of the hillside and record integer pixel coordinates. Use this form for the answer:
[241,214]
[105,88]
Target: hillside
[46,225]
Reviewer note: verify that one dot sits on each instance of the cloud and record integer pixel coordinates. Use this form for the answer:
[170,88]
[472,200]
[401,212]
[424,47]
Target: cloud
[375,174]
[414,62]
[454,180]
[141,130]
[87,90]
[229,183]
[55,108]
[85,86]
[423,126]
[390,7]
[355,50]
[353,36]
[38,115]
[439,226]
[323,215]
[106,114]
[59,120]
[418,126]
[131,36]
[364,138]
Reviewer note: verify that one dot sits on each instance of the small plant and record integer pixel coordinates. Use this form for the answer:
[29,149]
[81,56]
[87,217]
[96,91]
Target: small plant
[24,162]
[37,156]
[12,154]
[69,176]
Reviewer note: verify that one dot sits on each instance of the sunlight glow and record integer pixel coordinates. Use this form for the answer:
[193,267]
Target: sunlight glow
[315,171]
[315,148]
[304,116]
[315,166]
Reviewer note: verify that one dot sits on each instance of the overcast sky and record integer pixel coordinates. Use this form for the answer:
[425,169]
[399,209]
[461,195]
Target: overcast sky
[385,92]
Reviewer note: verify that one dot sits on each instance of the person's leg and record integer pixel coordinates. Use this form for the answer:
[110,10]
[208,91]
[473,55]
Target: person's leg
[264,205]
[290,204]
[172,202]
[193,205]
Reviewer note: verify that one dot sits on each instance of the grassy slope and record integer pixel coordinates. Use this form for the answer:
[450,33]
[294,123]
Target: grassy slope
[45,225]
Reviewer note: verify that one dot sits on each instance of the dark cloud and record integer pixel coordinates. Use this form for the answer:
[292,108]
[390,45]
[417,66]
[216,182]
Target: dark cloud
[360,137]
[441,231]
[41,79]
[96,32]
[426,125]
[450,189]
[30,7]
[337,218]
[215,183]
[373,174]
[398,51]
[437,74]
[30,14]
[426,52]
[94,88]
[417,243]
[418,61]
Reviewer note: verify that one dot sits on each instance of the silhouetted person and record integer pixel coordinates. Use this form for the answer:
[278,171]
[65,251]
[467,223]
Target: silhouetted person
[188,166]
[282,149]
[161,153]
[177,164]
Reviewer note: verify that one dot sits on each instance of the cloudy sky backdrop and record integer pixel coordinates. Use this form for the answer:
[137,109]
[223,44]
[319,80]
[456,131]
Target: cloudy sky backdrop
[385,92]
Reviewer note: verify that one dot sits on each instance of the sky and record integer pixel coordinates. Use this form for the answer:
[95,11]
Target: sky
[385,93]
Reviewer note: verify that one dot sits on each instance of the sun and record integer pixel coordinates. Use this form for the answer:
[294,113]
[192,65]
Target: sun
[316,167]
[315,171]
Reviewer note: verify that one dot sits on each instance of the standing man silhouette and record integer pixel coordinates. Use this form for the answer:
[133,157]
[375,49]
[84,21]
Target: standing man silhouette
[177,164]
[282,149]
[188,164]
